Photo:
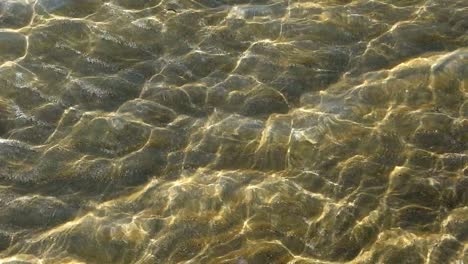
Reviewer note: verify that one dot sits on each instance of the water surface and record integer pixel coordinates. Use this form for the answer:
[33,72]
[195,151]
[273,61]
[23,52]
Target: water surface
[234,131]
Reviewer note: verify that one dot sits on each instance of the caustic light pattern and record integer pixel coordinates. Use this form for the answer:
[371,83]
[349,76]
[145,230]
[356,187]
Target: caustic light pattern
[234,131]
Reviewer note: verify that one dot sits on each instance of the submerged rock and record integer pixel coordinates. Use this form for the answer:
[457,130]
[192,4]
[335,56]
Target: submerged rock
[149,112]
[456,224]
[108,137]
[14,155]
[445,250]
[6,116]
[71,8]
[37,211]
[99,93]
[137,4]
[4,241]
[264,101]
[15,14]
[12,46]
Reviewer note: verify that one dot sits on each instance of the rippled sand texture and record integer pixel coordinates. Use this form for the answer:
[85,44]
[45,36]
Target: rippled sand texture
[234,131]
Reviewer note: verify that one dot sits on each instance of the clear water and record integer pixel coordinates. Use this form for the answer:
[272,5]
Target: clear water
[234,131]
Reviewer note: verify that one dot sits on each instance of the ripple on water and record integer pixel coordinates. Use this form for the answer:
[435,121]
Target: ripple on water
[161,131]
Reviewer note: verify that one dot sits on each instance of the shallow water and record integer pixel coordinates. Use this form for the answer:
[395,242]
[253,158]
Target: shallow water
[234,131]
